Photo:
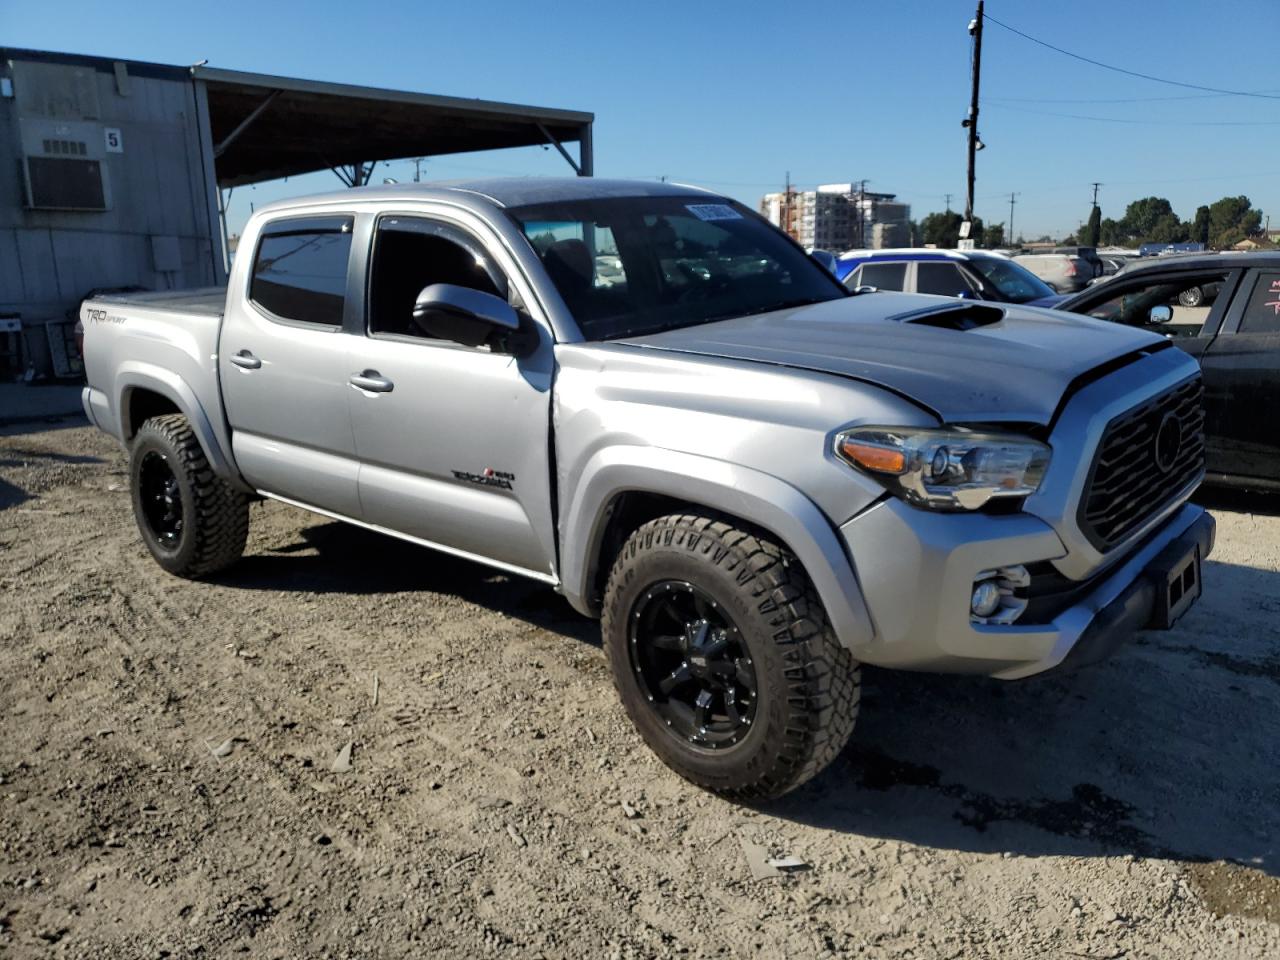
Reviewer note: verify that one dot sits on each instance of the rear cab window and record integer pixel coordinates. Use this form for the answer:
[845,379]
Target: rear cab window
[300,269]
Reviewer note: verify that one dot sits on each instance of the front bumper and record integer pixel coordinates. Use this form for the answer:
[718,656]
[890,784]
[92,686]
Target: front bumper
[917,569]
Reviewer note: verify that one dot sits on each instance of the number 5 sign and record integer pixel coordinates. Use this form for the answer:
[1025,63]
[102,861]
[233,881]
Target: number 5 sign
[114,142]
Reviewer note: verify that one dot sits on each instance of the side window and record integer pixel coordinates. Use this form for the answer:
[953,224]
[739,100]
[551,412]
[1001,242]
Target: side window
[300,269]
[409,254]
[884,276]
[943,279]
[1262,314]
[1190,298]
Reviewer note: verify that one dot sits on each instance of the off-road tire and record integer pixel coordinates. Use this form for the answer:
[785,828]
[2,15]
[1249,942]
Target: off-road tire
[808,685]
[215,516]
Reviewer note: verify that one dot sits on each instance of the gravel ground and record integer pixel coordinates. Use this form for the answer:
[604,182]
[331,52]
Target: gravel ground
[167,781]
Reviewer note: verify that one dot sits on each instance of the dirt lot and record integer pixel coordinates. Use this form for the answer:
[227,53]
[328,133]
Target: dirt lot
[167,783]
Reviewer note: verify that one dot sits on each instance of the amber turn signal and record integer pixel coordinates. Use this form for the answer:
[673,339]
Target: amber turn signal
[871,456]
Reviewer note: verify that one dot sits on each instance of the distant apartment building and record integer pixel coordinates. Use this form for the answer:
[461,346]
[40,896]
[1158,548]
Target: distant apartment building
[839,217]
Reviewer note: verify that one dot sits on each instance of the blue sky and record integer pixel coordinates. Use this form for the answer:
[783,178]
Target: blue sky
[735,95]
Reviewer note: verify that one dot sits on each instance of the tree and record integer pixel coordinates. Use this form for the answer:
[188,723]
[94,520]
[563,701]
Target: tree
[943,229]
[1231,219]
[993,236]
[1167,229]
[1093,229]
[1111,233]
[1141,217]
[1200,226]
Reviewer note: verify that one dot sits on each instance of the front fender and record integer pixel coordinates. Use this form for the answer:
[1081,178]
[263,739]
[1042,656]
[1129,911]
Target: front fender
[136,375]
[758,497]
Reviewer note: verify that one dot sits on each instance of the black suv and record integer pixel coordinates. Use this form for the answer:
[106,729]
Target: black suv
[1224,310]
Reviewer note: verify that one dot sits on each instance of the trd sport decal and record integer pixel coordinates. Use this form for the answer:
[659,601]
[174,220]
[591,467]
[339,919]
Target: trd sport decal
[488,477]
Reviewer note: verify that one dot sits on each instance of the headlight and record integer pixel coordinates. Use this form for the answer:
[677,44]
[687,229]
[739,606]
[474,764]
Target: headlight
[946,469]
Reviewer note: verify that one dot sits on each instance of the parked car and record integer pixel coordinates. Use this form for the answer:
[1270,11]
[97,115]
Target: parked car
[1063,272]
[968,274]
[1087,254]
[1224,310]
[755,480]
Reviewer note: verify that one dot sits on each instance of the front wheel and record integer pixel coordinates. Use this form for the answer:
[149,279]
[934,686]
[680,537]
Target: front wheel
[1191,298]
[724,659]
[193,522]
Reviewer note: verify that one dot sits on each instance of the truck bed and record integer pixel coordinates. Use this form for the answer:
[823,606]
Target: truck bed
[205,301]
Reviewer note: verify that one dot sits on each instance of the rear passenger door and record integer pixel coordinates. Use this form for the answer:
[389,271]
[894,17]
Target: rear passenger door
[880,274]
[283,364]
[1242,369]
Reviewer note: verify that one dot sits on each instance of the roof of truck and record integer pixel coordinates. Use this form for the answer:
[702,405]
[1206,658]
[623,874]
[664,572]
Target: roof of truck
[508,191]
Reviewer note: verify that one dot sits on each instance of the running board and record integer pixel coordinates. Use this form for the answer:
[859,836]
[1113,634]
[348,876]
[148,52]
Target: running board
[452,551]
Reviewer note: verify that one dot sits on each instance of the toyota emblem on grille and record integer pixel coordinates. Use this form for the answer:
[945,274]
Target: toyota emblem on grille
[1168,442]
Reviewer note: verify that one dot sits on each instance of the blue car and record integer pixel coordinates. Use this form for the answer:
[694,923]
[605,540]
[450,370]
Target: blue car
[968,274]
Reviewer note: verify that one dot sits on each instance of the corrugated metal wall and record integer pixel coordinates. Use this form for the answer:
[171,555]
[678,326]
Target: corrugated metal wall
[158,231]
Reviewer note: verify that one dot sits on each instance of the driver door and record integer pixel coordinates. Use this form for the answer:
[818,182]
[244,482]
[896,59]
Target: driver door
[452,440]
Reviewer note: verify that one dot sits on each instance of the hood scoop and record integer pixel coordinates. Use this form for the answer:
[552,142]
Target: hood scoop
[954,318]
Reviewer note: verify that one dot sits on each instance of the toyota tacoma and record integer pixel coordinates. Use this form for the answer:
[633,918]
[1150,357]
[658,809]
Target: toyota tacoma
[650,399]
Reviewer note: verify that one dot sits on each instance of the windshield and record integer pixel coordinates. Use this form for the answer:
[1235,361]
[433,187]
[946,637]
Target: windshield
[1012,281]
[636,265]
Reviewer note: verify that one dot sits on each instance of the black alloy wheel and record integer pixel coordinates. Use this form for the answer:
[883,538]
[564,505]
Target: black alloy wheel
[161,498]
[692,664]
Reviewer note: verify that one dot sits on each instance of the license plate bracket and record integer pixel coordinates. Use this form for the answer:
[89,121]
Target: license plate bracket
[1178,586]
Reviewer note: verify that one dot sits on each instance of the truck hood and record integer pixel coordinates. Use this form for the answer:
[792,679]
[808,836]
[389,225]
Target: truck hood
[965,362]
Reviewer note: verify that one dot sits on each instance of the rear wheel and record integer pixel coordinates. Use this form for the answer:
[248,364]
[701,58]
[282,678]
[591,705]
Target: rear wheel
[1191,298]
[193,522]
[724,659]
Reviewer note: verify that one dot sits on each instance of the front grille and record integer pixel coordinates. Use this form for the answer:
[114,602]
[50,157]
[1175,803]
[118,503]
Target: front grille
[1137,469]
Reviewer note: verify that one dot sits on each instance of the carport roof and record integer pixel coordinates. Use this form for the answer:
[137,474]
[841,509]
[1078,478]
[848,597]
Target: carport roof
[309,125]
[261,127]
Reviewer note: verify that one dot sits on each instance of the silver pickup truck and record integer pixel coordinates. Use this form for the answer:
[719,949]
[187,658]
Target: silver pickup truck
[653,401]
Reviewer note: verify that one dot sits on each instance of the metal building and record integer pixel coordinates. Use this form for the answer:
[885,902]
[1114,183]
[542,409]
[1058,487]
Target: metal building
[110,171]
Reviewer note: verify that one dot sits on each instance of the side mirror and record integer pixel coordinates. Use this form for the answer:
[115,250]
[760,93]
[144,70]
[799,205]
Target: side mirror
[825,259]
[446,311]
[865,289]
[1161,314]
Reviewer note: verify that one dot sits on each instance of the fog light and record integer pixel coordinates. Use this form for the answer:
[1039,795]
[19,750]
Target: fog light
[999,596]
[986,599]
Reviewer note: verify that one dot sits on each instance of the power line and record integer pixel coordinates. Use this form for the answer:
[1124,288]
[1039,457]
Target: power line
[1132,73]
[1158,123]
[1183,96]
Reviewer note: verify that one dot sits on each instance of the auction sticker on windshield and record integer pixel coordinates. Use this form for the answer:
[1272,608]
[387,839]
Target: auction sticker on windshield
[713,211]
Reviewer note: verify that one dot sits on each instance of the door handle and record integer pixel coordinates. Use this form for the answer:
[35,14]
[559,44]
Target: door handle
[372,381]
[246,359]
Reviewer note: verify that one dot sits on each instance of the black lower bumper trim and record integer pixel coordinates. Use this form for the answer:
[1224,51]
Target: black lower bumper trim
[1136,606]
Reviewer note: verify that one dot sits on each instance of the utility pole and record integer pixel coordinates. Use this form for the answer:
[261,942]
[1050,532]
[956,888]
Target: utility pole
[1012,201]
[975,28]
[1095,193]
[947,197]
[859,217]
[417,169]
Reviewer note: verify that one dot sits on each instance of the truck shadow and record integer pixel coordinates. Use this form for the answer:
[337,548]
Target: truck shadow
[336,557]
[1170,749]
